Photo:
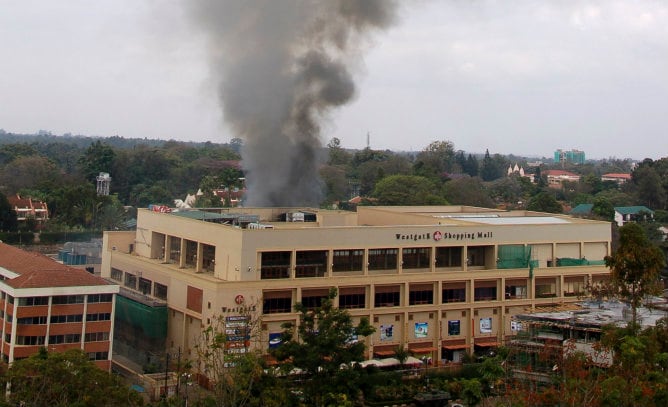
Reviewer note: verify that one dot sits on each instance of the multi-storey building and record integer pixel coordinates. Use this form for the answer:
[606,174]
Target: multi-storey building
[571,156]
[439,281]
[46,304]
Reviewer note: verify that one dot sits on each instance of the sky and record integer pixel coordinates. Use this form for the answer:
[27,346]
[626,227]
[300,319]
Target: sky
[511,77]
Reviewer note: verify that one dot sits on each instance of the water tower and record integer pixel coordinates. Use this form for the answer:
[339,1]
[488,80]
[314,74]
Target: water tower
[103,182]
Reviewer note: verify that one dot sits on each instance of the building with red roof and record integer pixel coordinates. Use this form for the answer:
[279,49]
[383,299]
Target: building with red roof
[555,178]
[44,303]
[28,208]
[619,178]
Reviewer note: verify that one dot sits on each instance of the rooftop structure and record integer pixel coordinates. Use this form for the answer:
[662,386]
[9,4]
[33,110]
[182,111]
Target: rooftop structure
[570,156]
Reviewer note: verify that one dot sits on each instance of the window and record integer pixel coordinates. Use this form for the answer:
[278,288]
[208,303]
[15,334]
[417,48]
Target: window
[63,319]
[96,337]
[145,286]
[116,274]
[352,297]
[31,320]
[383,259]
[275,265]
[31,301]
[160,291]
[348,260]
[454,292]
[131,281]
[516,289]
[174,249]
[448,256]
[28,340]
[546,288]
[68,338]
[476,255]
[312,298]
[98,356]
[454,327]
[311,263]
[421,294]
[574,286]
[416,258]
[67,299]
[95,298]
[274,302]
[387,296]
[485,291]
[102,316]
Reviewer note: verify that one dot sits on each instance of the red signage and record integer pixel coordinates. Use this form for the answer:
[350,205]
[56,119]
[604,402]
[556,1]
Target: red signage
[239,299]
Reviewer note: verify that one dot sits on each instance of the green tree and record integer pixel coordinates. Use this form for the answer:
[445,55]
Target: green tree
[435,160]
[234,375]
[406,190]
[544,202]
[98,157]
[635,266]
[66,379]
[324,340]
[467,191]
[8,222]
[603,209]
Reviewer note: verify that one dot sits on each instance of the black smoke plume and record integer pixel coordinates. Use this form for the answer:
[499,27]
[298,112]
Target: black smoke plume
[280,67]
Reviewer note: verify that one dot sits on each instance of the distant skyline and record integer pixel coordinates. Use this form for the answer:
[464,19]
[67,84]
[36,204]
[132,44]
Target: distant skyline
[514,77]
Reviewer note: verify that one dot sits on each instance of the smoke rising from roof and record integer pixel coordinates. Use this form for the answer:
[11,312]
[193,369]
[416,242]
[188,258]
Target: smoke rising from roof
[281,66]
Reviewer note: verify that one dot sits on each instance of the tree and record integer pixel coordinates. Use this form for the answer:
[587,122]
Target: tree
[66,379]
[323,345]
[635,266]
[544,202]
[8,222]
[406,190]
[436,159]
[99,157]
[467,191]
[234,374]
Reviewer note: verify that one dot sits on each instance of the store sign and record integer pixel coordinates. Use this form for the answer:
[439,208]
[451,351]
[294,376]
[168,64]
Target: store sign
[438,235]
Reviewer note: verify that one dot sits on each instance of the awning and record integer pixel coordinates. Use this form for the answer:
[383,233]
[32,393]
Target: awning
[487,344]
[426,349]
[455,347]
[383,352]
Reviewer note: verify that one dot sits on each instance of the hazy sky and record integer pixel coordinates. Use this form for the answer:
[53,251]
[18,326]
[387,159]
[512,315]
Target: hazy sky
[521,77]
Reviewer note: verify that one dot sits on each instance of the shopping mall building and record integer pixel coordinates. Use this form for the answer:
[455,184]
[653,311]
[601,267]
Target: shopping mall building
[439,280]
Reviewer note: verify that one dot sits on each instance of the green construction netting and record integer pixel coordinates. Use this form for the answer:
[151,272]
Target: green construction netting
[151,321]
[513,257]
[567,262]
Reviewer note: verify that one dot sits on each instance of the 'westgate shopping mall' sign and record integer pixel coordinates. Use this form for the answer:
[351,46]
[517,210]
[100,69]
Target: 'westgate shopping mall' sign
[438,235]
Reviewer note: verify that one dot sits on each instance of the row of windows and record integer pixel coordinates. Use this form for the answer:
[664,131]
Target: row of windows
[98,356]
[62,319]
[143,285]
[102,316]
[96,337]
[313,263]
[67,338]
[58,339]
[63,299]
[390,296]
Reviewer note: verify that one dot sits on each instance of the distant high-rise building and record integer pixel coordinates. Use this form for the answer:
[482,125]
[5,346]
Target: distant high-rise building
[572,156]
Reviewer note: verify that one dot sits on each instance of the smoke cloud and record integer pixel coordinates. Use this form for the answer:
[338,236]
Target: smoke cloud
[280,67]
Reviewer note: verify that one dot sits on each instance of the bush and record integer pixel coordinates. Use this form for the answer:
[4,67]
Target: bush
[15,238]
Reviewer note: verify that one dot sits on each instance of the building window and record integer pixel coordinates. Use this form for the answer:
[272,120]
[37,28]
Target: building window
[485,291]
[449,256]
[63,319]
[454,292]
[67,299]
[96,337]
[32,301]
[275,265]
[312,299]
[416,258]
[101,316]
[387,296]
[95,298]
[476,255]
[348,260]
[311,263]
[208,257]
[352,298]
[421,294]
[574,286]
[30,340]
[145,286]
[116,274]
[68,338]
[546,288]
[275,302]
[31,320]
[131,281]
[516,289]
[383,259]
[174,250]
[160,291]
[191,253]
[98,355]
